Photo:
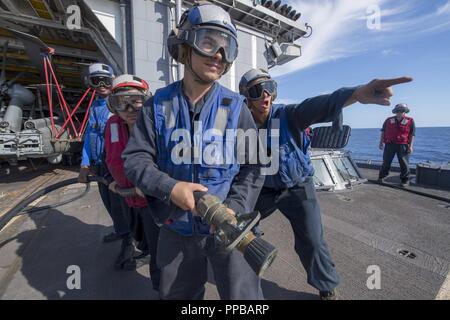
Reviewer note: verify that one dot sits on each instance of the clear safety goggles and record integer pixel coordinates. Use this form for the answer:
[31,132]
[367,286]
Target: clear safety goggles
[206,41]
[256,91]
[124,102]
[100,81]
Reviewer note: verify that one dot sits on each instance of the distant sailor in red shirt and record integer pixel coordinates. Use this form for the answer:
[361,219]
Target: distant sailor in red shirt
[397,136]
[128,96]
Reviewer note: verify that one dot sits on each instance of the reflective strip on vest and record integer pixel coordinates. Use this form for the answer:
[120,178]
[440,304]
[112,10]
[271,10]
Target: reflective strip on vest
[220,123]
[168,114]
[114,132]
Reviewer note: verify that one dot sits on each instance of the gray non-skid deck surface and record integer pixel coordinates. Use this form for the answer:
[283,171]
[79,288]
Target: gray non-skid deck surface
[395,180]
[69,235]
[367,226]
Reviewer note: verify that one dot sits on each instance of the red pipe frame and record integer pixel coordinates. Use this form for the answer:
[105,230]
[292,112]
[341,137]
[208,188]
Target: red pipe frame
[63,104]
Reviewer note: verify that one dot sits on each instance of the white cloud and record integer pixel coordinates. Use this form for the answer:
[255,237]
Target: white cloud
[445,9]
[340,28]
[389,52]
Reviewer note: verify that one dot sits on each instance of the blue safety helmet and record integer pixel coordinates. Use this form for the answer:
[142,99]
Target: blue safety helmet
[206,28]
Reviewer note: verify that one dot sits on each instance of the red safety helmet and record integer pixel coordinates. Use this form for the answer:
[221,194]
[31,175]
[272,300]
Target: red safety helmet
[130,81]
[120,95]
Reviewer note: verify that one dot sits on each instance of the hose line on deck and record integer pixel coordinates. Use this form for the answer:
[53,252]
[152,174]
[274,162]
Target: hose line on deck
[40,193]
[58,204]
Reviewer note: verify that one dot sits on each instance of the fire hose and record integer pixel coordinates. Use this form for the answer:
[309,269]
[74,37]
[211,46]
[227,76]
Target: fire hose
[38,194]
[231,231]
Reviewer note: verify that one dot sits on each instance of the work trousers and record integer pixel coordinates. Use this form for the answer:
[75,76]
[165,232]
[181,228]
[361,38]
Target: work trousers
[390,150]
[300,206]
[113,204]
[183,261]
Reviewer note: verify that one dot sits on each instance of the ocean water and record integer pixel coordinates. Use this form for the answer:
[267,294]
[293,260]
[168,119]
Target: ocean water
[430,144]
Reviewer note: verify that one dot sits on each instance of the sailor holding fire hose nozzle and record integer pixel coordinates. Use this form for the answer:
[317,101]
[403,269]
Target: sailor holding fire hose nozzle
[206,43]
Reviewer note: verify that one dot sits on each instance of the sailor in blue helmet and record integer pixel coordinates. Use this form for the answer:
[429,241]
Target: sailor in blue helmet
[291,189]
[100,78]
[168,172]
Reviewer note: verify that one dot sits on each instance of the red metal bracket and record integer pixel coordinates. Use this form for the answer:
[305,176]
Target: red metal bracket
[76,131]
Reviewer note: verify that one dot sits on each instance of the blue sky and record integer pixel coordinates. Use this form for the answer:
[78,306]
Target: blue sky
[413,40]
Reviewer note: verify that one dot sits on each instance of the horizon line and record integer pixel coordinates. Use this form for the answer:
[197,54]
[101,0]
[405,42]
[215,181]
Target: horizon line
[416,127]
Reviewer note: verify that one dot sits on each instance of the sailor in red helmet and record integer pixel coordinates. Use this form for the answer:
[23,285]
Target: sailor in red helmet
[397,137]
[128,96]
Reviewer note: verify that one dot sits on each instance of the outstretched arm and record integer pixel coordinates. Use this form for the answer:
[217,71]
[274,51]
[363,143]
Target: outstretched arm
[377,91]
[326,108]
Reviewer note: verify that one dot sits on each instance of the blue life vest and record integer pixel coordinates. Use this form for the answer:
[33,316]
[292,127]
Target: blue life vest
[174,128]
[294,163]
[93,148]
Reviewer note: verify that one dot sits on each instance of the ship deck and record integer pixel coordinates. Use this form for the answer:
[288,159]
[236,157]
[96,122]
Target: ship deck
[371,225]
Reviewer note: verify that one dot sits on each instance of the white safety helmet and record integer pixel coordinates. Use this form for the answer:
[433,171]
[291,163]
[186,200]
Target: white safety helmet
[99,74]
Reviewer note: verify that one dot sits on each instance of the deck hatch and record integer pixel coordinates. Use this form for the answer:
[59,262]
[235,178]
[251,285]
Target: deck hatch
[407,254]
